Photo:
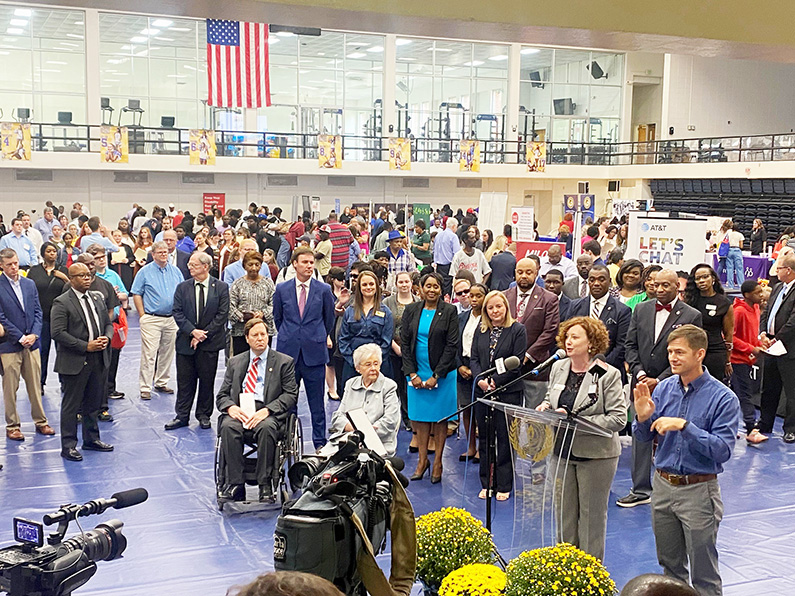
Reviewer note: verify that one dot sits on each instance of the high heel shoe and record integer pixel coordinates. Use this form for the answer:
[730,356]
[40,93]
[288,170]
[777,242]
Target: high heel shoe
[436,479]
[418,476]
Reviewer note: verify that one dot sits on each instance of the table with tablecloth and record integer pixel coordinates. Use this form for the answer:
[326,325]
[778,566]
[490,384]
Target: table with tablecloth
[754,267]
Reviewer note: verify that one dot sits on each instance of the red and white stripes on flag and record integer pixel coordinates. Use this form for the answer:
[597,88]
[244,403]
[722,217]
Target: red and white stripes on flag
[237,64]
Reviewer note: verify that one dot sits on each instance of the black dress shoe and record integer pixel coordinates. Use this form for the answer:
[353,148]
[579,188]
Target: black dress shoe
[175,424]
[266,495]
[98,446]
[204,422]
[71,454]
[234,492]
[789,437]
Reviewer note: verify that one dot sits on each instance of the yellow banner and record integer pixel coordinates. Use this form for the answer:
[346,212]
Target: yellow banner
[113,144]
[329,151]
[469,155]
[399,154]
[15,140]
[202,147]
[536,157]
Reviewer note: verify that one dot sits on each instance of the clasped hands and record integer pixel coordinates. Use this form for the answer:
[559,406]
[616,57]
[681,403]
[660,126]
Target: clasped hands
[248,422]
[418,383]
[97,345]
[644,408]
[197,336]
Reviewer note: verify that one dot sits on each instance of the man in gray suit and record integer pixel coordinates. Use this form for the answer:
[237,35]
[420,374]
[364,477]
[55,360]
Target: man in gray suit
[577,287]
[82,331]
[647,357]
[270,376]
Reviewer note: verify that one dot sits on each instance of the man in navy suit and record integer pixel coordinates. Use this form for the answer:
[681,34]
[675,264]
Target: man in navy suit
[601,305]
[201,312]
[553,281]
[21,317]
[303,311]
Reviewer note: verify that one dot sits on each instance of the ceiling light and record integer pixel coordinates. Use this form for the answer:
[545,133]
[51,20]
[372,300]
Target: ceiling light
[54,62]
[14,31]
[23,12]
[74,35]
[18,22]
[68,44]
[321,53]
[285,34]
[439,50]
[408,59]
[498,58]
[162,23]
[376,49]
[360,44]
[403,42]
[79,23]
[163,38]
[179,28]
[150,31]
[126,47]
[303,71]
[474,63]
[526,51]
[189,67]
[356,55]
[138,39]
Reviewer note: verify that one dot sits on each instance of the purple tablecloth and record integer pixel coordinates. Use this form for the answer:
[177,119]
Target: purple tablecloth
[754,267]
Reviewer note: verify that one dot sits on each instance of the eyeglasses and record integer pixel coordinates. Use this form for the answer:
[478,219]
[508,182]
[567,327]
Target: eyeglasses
[462,293]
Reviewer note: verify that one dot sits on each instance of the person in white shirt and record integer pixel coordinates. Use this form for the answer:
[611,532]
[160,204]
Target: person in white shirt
[31,232]
[471,259]
[555,259]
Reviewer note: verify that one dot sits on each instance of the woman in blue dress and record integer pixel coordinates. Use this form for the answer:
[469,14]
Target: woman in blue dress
[430,339]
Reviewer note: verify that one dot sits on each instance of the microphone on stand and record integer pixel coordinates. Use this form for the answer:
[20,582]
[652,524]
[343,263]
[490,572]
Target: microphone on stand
[502,365]
[559,355]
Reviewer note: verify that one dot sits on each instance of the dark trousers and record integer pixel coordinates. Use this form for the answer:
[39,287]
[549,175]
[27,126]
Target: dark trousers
[314,378]
[402,390]
[447,280]
[197,369]
[779,372]
[744,386]
[114,368]
[233,436]
[239,344]
[339,367]
[82,394]
[715,362]
[45,341]
[503,473]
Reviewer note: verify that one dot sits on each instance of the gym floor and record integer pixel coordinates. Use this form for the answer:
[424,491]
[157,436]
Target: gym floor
[180,544]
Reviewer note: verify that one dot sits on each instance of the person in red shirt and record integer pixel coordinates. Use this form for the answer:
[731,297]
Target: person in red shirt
[341,239]
[744,352]
[568,221]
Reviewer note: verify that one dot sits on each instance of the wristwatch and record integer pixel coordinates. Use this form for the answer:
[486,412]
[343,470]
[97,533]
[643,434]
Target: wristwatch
[435,376]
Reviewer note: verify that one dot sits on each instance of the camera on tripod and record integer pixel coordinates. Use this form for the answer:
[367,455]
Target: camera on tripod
[33,569]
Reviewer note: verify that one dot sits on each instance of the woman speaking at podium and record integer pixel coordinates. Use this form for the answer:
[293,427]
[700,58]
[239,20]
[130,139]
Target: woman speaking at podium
[594,459]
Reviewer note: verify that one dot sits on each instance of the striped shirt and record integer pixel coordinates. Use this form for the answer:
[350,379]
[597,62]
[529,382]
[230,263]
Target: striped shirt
[341,239]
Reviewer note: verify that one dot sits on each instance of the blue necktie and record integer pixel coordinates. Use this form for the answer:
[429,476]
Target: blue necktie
[771,317]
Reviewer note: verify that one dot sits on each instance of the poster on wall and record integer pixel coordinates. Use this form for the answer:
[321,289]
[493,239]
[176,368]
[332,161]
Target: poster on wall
[677,243]
[202,147]
[399,154]
[522,220]
[541,249]
[422,211]
[536,157]
[491,213]
[15,140]
[585,204]
[213,200]
[469,155]
[113,144]
[621,208]
[329,151]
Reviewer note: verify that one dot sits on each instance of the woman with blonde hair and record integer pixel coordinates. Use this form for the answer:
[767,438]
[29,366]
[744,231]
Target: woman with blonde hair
[498,246]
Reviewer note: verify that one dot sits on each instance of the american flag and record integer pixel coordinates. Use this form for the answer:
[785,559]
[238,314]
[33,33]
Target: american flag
[237,64]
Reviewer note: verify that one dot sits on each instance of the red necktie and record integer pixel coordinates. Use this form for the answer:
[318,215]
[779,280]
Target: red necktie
[302,301]
[660,307]
[521,307]
[251,377]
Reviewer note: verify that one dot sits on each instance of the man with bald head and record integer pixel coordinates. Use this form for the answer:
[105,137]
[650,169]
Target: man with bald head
[82,332]
[176,257]
[647,357]
[577,287]
[236,271]
[555,259]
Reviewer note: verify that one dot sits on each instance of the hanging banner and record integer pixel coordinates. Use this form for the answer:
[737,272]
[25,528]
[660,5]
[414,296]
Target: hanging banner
[583,203]
[113,144]
[469,155]
[213,200]
[536,157]
[522,220]
[202,147]
[422,211]
[620,208]
[15,140]
[675,243]
[399,154]
[329,151]
[492,208]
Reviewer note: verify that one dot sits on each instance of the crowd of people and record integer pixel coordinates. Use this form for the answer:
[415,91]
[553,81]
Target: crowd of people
[400,317]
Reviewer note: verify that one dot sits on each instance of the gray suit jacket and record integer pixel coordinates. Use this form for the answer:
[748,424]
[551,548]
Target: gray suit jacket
[281,391]
[69,329]
[571,287]
[609,412]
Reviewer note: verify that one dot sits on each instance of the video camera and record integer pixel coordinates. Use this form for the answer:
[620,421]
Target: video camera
[315,533]
[32,569]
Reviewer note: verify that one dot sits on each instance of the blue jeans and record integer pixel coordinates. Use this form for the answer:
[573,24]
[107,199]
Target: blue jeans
[735,270]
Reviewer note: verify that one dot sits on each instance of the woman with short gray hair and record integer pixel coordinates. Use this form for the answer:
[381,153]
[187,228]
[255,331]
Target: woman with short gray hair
[372,392]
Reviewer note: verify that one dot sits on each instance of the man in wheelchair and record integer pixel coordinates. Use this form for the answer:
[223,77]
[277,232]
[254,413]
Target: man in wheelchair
[267,378]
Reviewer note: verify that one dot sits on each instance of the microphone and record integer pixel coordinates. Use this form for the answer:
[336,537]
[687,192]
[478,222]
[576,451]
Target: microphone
[510,363]
[598,366]
[120,500]
[559,355]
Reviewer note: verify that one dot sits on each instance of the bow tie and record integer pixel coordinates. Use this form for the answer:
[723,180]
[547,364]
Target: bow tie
[660,307]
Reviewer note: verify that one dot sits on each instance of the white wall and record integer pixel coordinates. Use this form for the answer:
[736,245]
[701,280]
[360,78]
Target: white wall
[728,97]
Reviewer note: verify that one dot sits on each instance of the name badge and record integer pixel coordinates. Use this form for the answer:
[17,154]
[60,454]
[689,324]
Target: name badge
[379,313]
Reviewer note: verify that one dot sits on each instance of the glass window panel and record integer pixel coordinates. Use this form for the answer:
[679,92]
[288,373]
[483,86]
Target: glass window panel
[17,73]
[490,96]
[363,52]
[414,55]
[328,46]
[319,87]
[187,114]
[11,100]
[121,28]
[532,97]
[56,25]
[284,85]
[418,90]
[570,100]
[535,60]
[570,66]
[604,130]
[490,60]
[163,78]
[277,119]
[452,53]
[362,89]
[21,42]
[51,104]
[605,101]
[612,65]
[61,72]
[453,91]
[530,124]
[283,46]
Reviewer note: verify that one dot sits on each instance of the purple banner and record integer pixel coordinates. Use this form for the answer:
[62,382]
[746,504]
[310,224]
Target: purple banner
[753,267]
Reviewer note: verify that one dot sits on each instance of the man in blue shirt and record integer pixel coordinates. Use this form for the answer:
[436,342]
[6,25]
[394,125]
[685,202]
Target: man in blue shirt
[45,224]
[20,244]
[96,238]
[695,419]
[235,270]
[153,294]
[444,248]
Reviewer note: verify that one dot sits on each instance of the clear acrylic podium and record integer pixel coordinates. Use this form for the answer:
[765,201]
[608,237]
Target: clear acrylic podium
[541,446]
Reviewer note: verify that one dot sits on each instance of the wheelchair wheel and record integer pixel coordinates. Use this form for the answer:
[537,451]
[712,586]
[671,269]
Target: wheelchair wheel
[292,450]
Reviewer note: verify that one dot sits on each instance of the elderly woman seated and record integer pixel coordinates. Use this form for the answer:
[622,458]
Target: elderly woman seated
[372,392]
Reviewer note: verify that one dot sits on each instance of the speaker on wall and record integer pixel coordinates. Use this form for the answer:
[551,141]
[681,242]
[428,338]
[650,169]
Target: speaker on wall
[583,187]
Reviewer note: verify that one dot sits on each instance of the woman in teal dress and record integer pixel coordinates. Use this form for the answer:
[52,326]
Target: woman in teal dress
[429,338]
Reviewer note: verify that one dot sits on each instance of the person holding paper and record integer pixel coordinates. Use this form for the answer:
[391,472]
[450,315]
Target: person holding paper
[373,393]
[267,378]
[778,324]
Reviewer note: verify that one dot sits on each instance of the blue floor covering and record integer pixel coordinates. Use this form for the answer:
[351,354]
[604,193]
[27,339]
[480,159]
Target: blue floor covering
[179,544]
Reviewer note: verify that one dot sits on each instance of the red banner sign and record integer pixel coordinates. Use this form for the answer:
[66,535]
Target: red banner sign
[536,248]
[213,200]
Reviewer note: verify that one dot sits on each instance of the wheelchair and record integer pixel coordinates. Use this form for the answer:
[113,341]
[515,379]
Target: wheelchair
[289,449]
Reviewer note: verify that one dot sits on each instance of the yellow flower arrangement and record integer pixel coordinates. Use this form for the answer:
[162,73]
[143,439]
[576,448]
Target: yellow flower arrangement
[477,579]
[561,570]
[446,541]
